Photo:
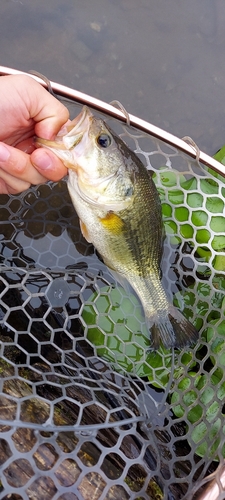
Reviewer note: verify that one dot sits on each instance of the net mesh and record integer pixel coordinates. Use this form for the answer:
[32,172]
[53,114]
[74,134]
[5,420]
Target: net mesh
[87,409]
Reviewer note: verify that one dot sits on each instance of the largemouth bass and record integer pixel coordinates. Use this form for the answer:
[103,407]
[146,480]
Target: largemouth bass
[120,213]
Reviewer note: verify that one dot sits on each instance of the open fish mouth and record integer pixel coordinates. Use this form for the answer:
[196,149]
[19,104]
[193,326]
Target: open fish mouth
[76,129]
[69,136]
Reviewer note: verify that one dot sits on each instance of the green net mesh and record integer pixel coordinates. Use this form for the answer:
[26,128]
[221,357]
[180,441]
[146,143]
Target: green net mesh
[86,409]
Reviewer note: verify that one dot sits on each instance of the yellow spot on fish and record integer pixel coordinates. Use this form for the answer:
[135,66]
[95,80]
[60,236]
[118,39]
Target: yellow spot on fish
[112,222]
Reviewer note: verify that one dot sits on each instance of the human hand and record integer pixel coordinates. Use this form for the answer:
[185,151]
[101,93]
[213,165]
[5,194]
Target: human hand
[27,109]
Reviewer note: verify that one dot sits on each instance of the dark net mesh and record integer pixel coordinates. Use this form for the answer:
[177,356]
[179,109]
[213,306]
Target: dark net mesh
[87,410]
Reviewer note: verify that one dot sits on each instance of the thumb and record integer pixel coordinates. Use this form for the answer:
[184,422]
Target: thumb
[48,164]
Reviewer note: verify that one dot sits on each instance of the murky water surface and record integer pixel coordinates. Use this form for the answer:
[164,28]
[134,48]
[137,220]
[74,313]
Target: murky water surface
[163,60]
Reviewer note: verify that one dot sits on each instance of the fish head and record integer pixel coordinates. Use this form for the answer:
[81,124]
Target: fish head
[99,167]
[68,138]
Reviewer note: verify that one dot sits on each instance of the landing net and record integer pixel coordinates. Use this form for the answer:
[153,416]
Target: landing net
[86,409]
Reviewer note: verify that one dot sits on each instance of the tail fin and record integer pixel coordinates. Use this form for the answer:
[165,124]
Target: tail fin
[174,330]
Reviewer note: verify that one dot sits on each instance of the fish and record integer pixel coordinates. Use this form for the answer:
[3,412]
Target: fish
[120,213]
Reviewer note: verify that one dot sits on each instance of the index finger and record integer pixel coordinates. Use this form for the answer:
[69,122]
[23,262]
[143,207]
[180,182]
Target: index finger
[47,111]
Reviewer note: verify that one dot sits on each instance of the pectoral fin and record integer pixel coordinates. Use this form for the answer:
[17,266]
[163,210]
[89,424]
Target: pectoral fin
[84,231]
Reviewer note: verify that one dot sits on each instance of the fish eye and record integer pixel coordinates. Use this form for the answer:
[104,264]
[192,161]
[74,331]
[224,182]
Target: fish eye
[129,191]
[104,140]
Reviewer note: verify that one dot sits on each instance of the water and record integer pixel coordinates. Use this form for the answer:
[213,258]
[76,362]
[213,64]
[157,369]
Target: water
[162,60]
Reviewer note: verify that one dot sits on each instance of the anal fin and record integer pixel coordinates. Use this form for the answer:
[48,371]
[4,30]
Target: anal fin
[120,278]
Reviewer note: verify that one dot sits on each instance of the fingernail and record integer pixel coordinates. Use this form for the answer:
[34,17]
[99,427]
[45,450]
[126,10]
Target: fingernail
[4,152]
[42,160]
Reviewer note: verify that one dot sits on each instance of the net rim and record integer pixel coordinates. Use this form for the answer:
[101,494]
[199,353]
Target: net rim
[83,429]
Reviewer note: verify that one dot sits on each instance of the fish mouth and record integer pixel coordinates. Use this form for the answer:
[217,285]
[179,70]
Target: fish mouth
[77,123]
[76,129]
[69,136]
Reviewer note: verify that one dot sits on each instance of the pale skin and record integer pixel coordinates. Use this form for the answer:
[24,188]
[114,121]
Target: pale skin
[27,109]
